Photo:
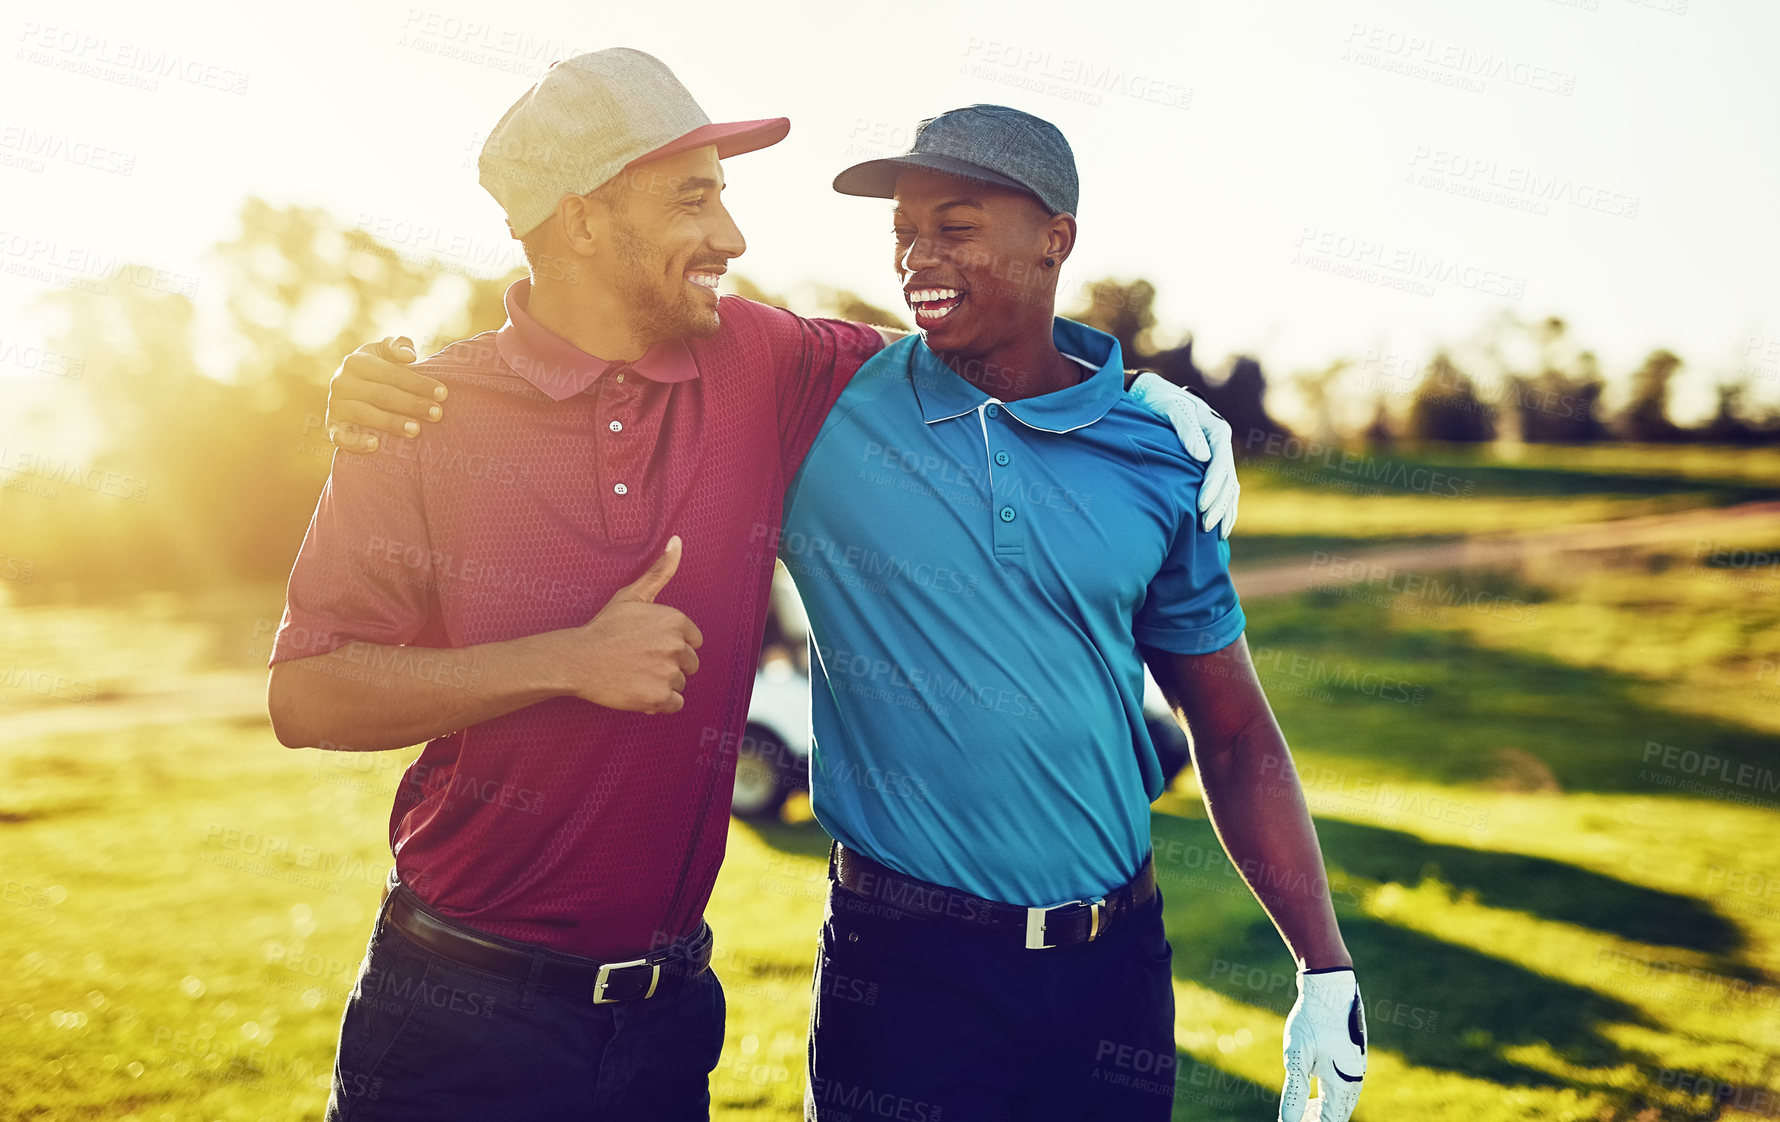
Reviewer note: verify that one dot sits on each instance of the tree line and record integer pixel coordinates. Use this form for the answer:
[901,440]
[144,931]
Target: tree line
[219,474]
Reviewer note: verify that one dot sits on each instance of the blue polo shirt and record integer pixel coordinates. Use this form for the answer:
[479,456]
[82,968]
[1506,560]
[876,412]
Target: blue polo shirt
[977,575]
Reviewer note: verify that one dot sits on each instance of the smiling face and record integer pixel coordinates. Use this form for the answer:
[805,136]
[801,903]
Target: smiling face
[971,260]
[662,237]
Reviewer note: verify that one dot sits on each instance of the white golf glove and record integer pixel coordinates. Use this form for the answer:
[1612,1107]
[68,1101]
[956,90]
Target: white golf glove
[1325,1037]
[1205,436]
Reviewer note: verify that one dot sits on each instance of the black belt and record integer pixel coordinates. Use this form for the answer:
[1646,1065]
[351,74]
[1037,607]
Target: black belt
[603,983]
[1061,925]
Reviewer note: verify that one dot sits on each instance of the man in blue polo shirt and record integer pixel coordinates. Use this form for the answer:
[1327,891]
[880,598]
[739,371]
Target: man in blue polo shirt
[1011,552]
[991,539]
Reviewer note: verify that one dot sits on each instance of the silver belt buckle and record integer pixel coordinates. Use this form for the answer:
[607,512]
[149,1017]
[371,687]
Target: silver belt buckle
[1035,922]
[604,979]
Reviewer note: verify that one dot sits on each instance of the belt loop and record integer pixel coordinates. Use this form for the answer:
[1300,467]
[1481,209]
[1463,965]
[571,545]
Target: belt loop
[528,994]
[834,881]
[390,884]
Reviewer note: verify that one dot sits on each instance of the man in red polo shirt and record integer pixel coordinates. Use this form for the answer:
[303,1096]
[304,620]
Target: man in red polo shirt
[463,590]
[542,953]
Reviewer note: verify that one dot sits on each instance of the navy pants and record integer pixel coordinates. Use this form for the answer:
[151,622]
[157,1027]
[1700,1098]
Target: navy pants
[425,1038]
[915,1019]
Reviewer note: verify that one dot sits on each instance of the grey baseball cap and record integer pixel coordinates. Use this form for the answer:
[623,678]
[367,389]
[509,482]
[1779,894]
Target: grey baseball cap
[987,143]
[591,117]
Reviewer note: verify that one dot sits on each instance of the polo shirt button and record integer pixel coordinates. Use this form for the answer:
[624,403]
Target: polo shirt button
[616,426]
[621,489]
[621,378]
[1002,458]
[993,410]
[1007,514]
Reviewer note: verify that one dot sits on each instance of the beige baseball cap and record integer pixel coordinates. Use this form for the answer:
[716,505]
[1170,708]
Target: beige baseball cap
[588,119]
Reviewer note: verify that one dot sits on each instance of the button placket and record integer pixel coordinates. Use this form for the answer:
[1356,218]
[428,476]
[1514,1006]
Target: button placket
[1006,527]
[618,458]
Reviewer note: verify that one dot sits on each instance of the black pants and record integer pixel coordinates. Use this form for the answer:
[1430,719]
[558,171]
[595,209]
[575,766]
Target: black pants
[915,1019]
[425,1038]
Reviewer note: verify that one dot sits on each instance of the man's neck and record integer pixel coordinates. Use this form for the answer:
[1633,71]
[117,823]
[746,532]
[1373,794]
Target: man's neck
[1029,366]
[591,321]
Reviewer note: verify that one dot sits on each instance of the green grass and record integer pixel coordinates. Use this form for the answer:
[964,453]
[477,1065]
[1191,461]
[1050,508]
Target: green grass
[1297,499]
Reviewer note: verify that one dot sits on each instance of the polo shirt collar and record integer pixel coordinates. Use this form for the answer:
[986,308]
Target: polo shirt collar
[561,369]
[943,395]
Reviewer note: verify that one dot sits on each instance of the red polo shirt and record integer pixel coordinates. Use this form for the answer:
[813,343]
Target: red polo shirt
[555,479]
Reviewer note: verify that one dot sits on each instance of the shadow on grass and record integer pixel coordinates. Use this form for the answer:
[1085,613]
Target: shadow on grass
[1540,886]
[1206,1093]
[1456,712]
[1438,1005]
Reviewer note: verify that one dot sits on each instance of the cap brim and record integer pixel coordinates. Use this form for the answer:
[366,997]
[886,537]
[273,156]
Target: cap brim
[732,139]
[876,179]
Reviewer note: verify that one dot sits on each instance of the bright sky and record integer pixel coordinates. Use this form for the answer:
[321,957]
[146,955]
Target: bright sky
[1300,180]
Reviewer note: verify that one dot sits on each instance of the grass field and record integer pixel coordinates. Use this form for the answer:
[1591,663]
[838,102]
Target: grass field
[1298,498]
[1548,802]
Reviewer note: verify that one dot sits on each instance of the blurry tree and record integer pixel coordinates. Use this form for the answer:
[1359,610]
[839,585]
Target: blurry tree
[303,290]
[748,290]
[231,467]
[843,304]
[1126,311]
[1242,398]
[1646,416]
[1735,421]
[1446,406]
[155,416]
[1380,432]
[1555,406]
[836,303]
[220,474]
[484,309]
[1321,391]
[1727,425]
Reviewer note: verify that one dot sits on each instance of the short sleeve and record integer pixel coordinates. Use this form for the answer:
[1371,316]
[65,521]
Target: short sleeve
[365,569]
[1191,606]
[812,360]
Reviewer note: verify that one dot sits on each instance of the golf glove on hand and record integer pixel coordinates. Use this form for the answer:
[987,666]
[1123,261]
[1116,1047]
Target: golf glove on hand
[1326,1037]
[1205,436]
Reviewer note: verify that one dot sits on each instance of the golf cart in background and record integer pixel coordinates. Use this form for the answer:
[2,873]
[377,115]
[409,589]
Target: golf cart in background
[773,759]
